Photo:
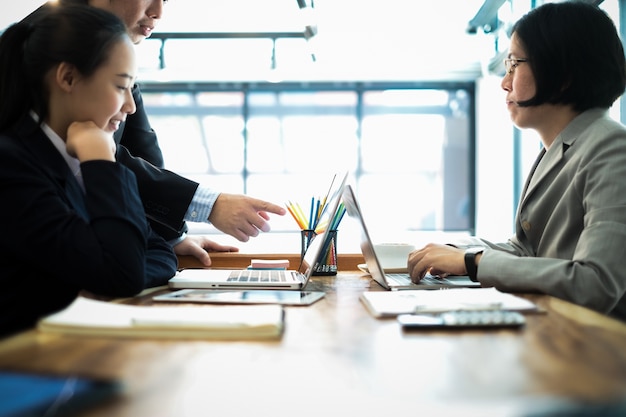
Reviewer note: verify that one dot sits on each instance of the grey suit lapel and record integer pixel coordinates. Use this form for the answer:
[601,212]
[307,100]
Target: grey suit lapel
[546,163]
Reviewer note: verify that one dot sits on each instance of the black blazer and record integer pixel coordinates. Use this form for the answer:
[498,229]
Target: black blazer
[57,240]
[166,196]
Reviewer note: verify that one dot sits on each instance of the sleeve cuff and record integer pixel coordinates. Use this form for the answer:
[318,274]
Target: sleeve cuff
[174,242]
[201,204]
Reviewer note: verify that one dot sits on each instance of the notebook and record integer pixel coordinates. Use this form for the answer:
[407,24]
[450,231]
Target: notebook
[395,281]
[265,279]
[89,317]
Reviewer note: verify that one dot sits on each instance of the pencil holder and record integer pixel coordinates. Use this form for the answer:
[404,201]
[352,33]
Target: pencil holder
[306,237]
[327,262]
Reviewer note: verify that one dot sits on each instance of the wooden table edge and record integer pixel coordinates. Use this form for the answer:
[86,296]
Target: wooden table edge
[345,262]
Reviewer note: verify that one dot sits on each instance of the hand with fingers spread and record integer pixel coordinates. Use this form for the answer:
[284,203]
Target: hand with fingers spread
[241,216]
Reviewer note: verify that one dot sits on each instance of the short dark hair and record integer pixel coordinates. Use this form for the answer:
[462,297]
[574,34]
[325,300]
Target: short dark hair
[79,35]
[575,53]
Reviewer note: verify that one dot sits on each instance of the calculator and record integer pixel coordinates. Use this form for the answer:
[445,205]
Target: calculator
[463,319]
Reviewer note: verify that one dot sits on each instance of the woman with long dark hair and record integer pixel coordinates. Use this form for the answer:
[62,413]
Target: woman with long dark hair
[71,216]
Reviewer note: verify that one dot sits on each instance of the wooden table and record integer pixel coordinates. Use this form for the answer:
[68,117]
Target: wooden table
[345,261]
[334,359]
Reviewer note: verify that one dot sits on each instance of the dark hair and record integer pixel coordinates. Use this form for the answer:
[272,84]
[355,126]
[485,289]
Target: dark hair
[575,54]
[79,35]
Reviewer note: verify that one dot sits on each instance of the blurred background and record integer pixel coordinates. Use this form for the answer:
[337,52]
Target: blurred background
[273,98]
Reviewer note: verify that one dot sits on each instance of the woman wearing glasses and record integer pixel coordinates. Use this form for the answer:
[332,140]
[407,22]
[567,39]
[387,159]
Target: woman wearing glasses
[564,69]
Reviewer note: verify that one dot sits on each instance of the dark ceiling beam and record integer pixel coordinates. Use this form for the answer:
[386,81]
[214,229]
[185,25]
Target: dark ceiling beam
[226,35]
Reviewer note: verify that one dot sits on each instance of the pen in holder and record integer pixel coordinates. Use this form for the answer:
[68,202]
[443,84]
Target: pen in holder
[327,263]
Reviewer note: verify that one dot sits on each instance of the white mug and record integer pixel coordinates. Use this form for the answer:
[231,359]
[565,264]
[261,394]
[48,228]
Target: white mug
[393,255]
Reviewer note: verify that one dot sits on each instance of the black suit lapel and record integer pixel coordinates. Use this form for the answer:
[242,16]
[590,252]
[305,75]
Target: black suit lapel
[44,152]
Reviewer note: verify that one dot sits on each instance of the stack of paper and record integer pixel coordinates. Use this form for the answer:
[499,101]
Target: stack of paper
[393,303]
[99,318]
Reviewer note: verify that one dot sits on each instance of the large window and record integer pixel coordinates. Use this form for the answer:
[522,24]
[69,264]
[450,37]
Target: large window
[408,147]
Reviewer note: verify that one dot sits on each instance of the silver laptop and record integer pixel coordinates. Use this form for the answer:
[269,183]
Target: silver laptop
[395,281]
[265,278]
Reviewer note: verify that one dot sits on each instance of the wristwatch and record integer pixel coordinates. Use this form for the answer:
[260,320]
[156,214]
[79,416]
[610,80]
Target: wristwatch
[470,262]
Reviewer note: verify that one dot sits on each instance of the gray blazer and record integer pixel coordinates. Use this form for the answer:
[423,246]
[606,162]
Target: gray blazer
[570,228]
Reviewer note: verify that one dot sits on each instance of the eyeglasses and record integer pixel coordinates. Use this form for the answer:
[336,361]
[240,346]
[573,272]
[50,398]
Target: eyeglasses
[511,63]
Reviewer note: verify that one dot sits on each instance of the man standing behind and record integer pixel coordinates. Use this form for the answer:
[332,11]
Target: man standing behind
[168,198]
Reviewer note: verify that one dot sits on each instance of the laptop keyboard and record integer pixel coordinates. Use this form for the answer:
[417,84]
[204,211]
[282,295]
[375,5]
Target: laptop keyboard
[257,275]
